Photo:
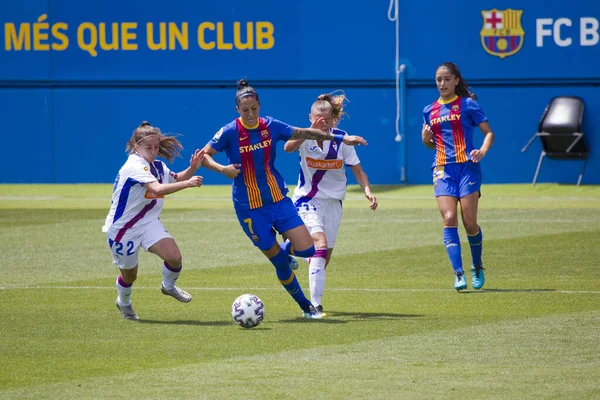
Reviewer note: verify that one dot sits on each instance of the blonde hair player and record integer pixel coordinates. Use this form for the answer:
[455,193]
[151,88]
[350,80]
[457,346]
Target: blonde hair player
[137,201]
[322,186]
[259,192]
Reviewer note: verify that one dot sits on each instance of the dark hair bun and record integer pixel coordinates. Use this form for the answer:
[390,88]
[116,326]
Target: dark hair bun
[242,83]
[325,97]
[145,123]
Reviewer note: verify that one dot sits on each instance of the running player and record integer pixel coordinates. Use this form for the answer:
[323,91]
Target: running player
[137,201]
[322,186]
[259,192]
[448,128]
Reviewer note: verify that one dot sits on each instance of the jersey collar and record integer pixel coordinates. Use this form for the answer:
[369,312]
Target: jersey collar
[447,101]
[249,126]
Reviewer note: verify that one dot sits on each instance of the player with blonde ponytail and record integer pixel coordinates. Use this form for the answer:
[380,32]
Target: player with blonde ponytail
[259,192]
[322,186]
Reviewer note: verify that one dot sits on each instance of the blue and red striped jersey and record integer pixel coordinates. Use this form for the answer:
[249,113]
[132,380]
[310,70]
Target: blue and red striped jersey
[254,147]
[452,123]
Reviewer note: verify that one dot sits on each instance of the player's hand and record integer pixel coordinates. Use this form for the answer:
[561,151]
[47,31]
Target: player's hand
[197,159]
[319,123]
[231,171]
[373,200]
[194,181]
[427,136]
[352,140]
[426,131]
[476,155]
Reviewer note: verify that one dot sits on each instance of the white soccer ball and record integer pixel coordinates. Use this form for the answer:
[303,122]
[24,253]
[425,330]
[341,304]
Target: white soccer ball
[248,311]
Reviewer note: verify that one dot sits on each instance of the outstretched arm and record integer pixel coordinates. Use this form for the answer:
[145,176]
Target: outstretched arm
[363,181]
[230,171]
[294,144]
[196,161]
[162,189]
[316,134]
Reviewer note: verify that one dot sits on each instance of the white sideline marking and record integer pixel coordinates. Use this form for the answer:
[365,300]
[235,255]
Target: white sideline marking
[400,220]
[349,196]
[378,221]
[499,290]
[504,220]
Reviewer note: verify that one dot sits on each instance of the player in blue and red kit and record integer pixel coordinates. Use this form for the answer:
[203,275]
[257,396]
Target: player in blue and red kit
[259,192]
[448,128]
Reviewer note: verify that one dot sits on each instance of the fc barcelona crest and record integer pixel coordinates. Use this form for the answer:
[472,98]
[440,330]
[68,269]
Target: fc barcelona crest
[502,33]
[455,108]
[264,133]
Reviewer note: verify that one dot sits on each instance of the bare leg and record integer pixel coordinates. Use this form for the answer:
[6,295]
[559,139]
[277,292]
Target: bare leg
[168,250]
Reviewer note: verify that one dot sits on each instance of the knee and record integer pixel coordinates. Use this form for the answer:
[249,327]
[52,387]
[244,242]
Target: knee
[450,218]
[320,243]
[471,226]
[175,260]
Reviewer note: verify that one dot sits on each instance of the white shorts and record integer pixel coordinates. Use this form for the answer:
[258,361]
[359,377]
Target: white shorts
[321,215]
[125,253]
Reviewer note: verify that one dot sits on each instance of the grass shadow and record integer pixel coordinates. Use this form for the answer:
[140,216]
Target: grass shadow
[303,320]
[372,316]
[353,317]
[185,322]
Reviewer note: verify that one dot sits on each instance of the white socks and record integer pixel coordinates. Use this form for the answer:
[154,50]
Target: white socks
[316,279]
[169,276]
[124,292]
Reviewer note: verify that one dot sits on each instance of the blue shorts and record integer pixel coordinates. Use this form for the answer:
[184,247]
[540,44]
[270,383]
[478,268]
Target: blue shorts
[457,180]
[260,224]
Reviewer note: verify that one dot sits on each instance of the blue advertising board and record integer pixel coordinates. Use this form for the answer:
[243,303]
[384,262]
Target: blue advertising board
[534,40]
[75,79]
[138,40]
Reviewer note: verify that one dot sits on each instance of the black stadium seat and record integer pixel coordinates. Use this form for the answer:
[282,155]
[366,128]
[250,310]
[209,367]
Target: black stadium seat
[560,132]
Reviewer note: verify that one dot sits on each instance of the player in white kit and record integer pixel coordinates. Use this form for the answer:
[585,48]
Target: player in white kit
[322,186]
[137,200]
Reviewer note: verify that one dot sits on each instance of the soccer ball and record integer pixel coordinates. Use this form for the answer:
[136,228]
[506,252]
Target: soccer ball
[248,311]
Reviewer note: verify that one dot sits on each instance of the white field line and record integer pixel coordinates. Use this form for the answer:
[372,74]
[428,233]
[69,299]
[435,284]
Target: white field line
[400,220]
[399,290]
[484,220]
[348,197]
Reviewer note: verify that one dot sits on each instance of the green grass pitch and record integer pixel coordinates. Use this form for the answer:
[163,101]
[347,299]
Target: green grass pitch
[396,327]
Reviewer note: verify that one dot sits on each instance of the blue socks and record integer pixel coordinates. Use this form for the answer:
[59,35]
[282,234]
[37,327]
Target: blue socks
[288,279]
[452,243]
[476,243]
[286,247]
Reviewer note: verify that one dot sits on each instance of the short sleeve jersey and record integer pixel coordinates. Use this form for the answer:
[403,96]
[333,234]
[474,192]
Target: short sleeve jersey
[132,204]
[453,123]
[254,148]
[322,171]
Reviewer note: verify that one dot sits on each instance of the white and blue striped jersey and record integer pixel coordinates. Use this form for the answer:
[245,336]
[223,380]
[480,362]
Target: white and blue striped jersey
[322,171]
[132,204]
